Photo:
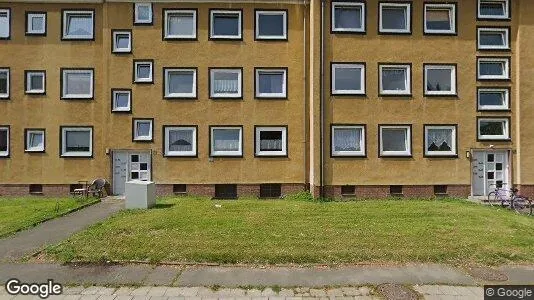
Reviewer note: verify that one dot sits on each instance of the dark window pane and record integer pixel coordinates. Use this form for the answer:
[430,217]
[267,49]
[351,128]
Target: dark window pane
[348,79]
[492,98]
[271,140]
[271,25]
[224,24]
[394,18]
[3,140]
[492,39]
[271,190]
[491,68]
[347,17]
[271,83]
[77,141]
[491,128]
[492,9]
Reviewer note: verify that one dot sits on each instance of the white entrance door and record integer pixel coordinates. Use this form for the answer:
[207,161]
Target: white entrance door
[490,170]
[130,165]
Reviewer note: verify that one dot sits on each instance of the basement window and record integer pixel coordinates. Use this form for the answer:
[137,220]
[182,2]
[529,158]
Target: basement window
[440,190]
[395,190]
[36,189]
[179,189]
[270,190]
[348,190]
[225,191]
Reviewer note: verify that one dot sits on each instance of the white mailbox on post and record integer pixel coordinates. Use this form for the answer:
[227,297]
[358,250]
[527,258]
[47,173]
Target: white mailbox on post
[140,194]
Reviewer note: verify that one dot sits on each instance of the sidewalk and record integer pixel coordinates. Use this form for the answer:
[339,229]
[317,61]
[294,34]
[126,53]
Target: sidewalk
[55,231]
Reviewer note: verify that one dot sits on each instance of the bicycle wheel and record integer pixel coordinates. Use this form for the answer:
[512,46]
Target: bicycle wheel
[492,198]
[518,204]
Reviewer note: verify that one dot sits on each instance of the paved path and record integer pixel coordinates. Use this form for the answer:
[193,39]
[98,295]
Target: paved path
[54,231]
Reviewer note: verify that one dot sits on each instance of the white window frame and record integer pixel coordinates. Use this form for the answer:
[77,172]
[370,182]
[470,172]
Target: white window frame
[28,133]
[491,17]
[506,68]
[506,97]
[191,95]
[8,136]
[363,16]
[141,138]
[65,16]
[192,153]
[114,41]
[452,68]
[504,31]
[29,18]
[408,141]
[8,12]
[137,21]
[143,80]
[259,129]
[452,15]
[270,37]
[408,81]
[8,85]
[452,153]
[65,72]
[226,70]
[168,12]
[64,152]
[504,137]
[214,153]
[29,75]
[239,36]
[258,71]
[361,66]
[114,93]
[407,6]
[361,153]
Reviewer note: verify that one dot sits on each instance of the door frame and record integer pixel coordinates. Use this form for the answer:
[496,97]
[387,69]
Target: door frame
[510,164]
[112,152]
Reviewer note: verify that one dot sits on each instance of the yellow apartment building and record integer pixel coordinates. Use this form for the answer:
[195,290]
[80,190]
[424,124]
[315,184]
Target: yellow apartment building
[264,98]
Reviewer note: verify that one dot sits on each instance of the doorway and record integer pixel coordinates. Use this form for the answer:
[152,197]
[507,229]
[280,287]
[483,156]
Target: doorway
[490,169]
[128,166]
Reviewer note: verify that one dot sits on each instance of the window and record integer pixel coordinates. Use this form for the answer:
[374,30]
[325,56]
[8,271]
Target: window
[395,190]
[348,79]
[271,83]
[179,189]
[143,14]
[493,68]
[35,23]
[226,141]
[493,128]
[5,23]
[180,24]
[4,83]
[143,130]
[440,190]
[180,141]
[76,141]
[77,83]
[34,140]
[226,83]
[395,18]
[493,38]
[226,24]
[270,190]
[143,71]
[271,25]
[225,191]
[4,141]
[348,17]
[36,189]
[121,100]
[440,18]
[395,140]
[493,9]
[440,80]
[122,41]
[395,79]
[493,98]
[348,190]
[348,140]
[440,140]
[270,141]
[35,82]
[78,25]
[180,83]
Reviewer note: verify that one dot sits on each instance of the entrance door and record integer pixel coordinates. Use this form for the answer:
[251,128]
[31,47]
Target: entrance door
[130,165]
[490,170]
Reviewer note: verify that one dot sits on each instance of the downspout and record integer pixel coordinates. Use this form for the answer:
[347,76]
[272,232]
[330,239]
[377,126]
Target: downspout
[321,106]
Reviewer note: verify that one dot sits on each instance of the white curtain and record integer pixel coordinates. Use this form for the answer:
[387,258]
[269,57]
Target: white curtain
[226,83]
[439,139]
[81,25]
[347,139]
[226,140]
[78,83]
[180,140]
[180,24]
[270,141]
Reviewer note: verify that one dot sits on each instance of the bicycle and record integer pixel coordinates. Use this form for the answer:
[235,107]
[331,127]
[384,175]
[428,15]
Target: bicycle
[499,195]
[510,199]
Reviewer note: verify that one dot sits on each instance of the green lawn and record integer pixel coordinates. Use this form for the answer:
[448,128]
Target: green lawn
[284,231]
[23,212]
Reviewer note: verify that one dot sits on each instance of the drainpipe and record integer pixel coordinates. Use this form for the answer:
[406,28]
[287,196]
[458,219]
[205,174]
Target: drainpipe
[321,106]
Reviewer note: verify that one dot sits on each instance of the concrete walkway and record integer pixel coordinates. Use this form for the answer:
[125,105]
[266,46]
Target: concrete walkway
[56,230]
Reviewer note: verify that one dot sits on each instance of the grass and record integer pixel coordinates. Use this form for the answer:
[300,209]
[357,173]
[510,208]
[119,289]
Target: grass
[291,231]
[20,213]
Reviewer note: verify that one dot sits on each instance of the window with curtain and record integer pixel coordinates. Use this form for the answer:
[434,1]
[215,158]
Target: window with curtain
[225,83]
[271,83]
[4,83]
[77,141]
[439,18]
[4,141]
[180,82]
[226,140]
[440,79]
[440,140]
[78,24]
[5,23]
[347,139]
[180,140]
[271,140]
[226,25]
[348,17]
[77,84]
[394,18]
[394,79]
[180,24]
